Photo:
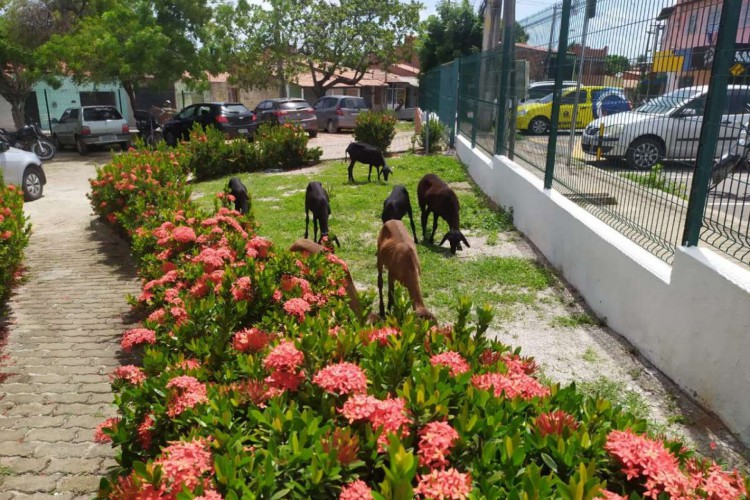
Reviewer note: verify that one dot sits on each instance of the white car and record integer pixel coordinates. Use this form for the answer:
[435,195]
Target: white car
[89,126]
[23,169]
[666,128]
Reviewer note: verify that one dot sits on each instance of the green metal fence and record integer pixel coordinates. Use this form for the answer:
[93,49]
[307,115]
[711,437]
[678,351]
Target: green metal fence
[438,94]
[650,94]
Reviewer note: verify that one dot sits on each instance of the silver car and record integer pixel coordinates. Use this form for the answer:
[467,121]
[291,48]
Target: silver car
[338,111]
[23,169]
[90,126]
[287,110]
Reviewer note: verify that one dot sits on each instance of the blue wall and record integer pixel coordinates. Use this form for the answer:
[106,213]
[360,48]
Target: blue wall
[68,96]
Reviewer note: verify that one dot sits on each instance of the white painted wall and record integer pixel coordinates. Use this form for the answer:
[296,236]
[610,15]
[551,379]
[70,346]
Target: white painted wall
[6,115]
[691,319]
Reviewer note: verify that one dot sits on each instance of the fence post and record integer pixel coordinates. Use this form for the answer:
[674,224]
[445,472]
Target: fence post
[454,112]
[475,112]
[715,104]
[562,62]
[502,127]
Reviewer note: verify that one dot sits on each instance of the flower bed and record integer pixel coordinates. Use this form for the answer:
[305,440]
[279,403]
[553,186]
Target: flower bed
[258,381]
[14,236]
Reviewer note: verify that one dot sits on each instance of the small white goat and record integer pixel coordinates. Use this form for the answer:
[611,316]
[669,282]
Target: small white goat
[397,253]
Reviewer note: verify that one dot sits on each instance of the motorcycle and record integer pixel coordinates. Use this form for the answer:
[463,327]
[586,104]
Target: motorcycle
[30,138]
[735,158]
[149,128]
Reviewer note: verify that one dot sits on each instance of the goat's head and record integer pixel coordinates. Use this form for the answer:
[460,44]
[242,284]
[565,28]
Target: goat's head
[423,313]
[386,172]
[327,242]
[455,238]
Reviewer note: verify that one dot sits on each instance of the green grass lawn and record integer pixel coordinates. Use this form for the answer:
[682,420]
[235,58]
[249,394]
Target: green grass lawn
[278,205]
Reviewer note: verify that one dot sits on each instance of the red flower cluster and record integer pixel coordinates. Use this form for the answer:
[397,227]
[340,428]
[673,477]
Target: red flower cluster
[242,289]
[145,431]
[188,393]
[380,335]
[137,336]
[282,362]
[129,373]
[512,384]
[297,307]
[390,415]
[184,465]
[109,424]
[453,360]
[341,378]
[435,443]
[357,490]
[448,484]
[646,459]
[250,340]
[556,422]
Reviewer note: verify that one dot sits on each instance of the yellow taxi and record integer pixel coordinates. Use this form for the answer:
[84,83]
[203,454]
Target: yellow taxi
[593,102]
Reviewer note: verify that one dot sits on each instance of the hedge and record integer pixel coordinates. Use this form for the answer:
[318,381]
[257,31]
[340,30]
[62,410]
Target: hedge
[14,236]
[257,381]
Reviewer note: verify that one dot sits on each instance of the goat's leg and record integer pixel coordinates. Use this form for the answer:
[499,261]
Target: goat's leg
[413,229]
[425,216]
[307,222]
[390,291]
[315,228]
[434,226]
[380,290]
[351,168]
[369,175]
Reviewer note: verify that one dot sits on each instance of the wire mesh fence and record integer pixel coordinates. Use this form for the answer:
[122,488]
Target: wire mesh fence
[639,80]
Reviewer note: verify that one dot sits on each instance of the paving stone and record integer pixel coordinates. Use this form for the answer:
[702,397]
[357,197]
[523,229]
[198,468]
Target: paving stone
[70,397]
[51,434]
[31,410]
[79,484]
[40,422]
[30,483]
[46,496]
[73,465]
[10,435]
[61,450]
[21,465]
[16,449]
[85,421]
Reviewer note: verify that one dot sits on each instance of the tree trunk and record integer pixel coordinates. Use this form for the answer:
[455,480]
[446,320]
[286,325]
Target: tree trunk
[128,86]
[319,90]
[282,78]
[18,110]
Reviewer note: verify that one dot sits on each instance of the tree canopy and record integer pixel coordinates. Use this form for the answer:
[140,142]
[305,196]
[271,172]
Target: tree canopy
[614,64]
[322,38]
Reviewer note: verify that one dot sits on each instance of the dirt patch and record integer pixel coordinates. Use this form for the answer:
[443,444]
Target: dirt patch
[505,244]
[461,186]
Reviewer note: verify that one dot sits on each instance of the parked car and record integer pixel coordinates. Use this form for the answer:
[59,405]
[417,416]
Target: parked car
[537,90]
[667,127]
[23,169]
[88,126]
[287,110]
[593,102]
[232,118]
[335,112]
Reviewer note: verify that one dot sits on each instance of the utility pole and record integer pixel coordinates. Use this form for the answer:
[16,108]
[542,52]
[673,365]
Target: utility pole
[491,31]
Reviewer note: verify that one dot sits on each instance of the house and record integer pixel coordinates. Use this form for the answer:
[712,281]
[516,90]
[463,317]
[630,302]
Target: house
[689,39]
[594,66]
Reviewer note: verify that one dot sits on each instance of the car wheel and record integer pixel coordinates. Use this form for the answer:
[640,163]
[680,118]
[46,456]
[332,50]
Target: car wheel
[32,183]
[81,147]
[313,134]
[644,153]
[56,143]
[539,126]
[331,127]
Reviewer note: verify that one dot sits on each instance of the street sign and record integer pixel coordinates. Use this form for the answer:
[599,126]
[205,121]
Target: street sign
[737,69]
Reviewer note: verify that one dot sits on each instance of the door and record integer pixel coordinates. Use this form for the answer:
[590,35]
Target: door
[685,129]
[736,113]
[183,121]
[566,107]
[59,130]
[319,108]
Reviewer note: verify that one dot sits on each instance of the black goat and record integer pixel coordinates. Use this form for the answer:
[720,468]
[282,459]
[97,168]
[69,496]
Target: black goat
[435,196]
[397,205]
[369,155]
[239,191]
[316,201]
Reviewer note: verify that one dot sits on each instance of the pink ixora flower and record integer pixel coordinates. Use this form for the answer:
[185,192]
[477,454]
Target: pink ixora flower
[109,424]
[357,490]
[184,464]
[187,393]
[284,357]
[129,373]
[453,360]
[359,407]
[555,422]
[210,495]
[145,431]
[183,234]
[513,385]
[341,378]
[242,289]
[250,340]
[297,308]
[391,417]
[448,484]
[381,335]
[435,443]
[137,336]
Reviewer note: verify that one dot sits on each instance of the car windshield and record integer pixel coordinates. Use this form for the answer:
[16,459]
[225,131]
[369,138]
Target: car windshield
[354,103]
[235,109]
[294,105]
[668,102]
[547,98]
[101,114]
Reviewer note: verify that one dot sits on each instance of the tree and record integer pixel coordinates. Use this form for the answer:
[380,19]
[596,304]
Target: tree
[136,43]
[455,31]
[321,37]
[25,28]
[614,64]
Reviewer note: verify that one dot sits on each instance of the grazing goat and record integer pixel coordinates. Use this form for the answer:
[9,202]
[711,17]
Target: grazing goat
[369,155]
[434,195]
[310,247]
[316,201]
[398,253]
[239,191]
[397,205]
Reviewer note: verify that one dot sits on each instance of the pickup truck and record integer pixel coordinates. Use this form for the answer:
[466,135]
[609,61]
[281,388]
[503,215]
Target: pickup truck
[89,126]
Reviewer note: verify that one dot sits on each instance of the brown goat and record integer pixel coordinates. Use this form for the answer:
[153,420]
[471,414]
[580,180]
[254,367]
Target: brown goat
[310,247]
[397,253]
[434,195]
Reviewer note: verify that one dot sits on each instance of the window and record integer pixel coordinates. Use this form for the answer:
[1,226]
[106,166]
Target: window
[204,110]
[712,24]
[101,114]
[744,11]
[65,116]
[737,101]
[187,112]
[571,98]
[73,115]
[294,105]
[353,103]
[692,22]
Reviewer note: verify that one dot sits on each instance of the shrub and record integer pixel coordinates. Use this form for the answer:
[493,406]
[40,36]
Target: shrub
[284,147]
[258,381]
[211,155]
[438,135]
[14,236]
[377,129]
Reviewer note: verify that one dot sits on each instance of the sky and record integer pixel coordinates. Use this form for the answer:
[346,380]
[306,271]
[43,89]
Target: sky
[524,8]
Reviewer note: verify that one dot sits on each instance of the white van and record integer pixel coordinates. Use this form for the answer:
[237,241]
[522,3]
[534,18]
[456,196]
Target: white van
[666,128]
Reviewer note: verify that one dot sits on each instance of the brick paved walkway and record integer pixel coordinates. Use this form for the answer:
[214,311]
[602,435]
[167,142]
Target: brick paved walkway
[64,328]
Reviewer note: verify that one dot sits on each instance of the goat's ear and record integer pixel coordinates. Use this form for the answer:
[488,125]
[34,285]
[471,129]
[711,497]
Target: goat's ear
[463,238]
[443,240]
